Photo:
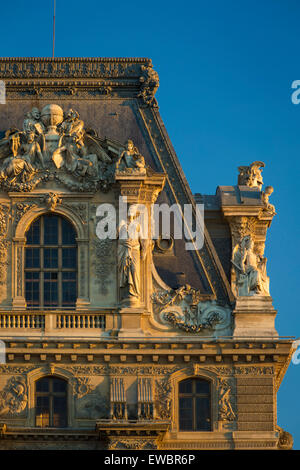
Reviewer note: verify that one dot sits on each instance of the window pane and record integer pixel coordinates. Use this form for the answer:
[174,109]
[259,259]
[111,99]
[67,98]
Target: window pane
[186,414]
[50,290]
[32,258]
[32,288]
[50,257]
[32,293]
[59,385]
[33,234]
[69,258]
[69,294]
[42,385]
[42,411]
[203,414]
[185,386]
[59,411]
[50,230]
[69,275]
[68,233]
[202,386]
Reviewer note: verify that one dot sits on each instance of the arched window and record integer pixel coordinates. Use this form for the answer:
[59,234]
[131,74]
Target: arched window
[51,263]
[51,402]
[194,405]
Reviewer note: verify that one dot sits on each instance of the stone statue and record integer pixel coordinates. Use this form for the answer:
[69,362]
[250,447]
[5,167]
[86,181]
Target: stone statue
[130,160]
[131,247]
[251,175]
[250,269]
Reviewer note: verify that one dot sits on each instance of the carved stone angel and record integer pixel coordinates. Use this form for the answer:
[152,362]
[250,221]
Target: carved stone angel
[250,269]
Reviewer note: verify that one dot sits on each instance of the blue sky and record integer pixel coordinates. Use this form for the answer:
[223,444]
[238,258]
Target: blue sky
[226,69]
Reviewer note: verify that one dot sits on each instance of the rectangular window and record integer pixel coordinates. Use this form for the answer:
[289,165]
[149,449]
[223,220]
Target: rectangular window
[194,405]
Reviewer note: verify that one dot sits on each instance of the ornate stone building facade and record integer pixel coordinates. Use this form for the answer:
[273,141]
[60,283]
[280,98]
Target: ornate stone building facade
[125,342]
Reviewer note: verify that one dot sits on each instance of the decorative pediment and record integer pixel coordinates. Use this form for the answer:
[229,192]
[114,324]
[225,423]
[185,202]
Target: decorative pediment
[55,146]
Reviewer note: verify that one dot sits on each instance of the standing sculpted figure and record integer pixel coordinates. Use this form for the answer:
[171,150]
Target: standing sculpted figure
[250,269]
[131,248]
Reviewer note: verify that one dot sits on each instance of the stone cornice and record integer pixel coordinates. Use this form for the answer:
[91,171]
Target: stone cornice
[79,77]
[154,354]
[71,67]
